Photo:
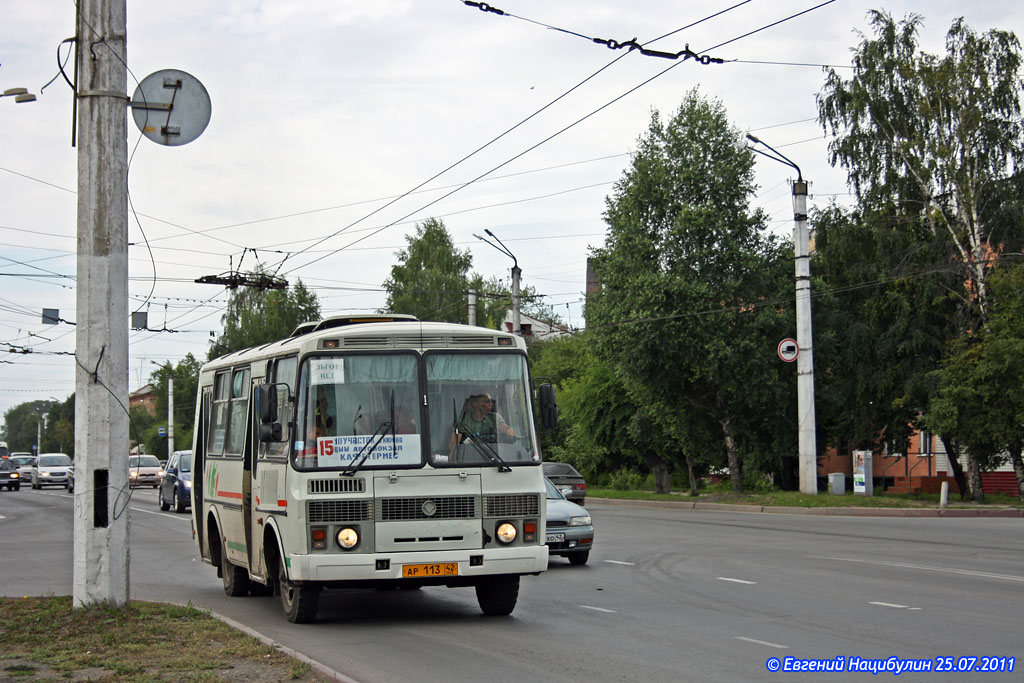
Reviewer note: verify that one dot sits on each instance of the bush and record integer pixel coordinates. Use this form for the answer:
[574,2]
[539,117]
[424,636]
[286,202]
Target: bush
[627,480]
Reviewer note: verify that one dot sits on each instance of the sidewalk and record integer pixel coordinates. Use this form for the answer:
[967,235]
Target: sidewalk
[847,511]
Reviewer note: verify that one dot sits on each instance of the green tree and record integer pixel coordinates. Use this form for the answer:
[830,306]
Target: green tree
[933,146]
[186,383]
[257,316]
[930,139]
[690,311]
[431,277]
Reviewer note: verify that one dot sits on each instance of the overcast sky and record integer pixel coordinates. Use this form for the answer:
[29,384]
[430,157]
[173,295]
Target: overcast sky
[324,110]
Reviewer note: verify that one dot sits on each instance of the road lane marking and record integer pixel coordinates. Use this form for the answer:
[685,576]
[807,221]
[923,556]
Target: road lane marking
[630,564]
[763,642]
[598,609]
[889,604]
[948,570]
[726,578]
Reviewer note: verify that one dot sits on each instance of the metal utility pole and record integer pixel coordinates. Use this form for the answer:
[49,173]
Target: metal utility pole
[517,327]
[101,357]
[806,430]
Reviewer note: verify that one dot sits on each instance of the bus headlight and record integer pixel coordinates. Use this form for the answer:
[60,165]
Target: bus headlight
[506,532]
[347,538]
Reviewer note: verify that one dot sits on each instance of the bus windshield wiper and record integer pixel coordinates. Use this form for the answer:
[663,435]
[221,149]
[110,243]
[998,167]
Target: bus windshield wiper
[383,430]
[485,449]
[369,447]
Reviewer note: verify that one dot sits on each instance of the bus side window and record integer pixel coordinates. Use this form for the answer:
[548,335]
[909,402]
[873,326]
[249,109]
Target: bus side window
[283,372]
[219,415]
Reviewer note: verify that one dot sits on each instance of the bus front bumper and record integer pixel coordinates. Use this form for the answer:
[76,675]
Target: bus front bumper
[338,567]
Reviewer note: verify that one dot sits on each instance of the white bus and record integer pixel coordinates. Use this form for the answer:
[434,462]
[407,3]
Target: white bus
[371,451]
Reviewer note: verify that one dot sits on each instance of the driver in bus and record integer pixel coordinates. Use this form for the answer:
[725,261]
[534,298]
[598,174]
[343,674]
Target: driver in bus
[481,422]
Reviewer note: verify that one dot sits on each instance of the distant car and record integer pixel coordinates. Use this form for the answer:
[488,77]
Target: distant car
[568,480]
[9,475]
[570,530]
[50,469]
[144,470]
[176,488]
[24,462]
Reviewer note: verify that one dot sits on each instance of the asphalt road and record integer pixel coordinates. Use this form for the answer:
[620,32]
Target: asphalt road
[669,595]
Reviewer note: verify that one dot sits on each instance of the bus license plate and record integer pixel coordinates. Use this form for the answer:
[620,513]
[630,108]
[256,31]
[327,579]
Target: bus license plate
[555,538]
[424,570]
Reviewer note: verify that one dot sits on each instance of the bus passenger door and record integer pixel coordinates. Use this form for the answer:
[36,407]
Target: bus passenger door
[249,472]
[199,470]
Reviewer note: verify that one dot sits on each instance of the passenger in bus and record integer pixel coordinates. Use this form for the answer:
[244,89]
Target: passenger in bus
[481,422]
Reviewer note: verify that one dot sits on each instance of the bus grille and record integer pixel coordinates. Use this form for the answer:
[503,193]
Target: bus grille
[512,505]
[444,507]
[320,511]
[345,485]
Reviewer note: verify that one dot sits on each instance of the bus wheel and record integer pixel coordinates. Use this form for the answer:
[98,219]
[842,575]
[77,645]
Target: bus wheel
[235,578]
[300,601]
[497,595]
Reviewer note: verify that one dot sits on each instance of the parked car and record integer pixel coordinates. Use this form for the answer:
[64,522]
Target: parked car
[568,480]
[9,476]
[24,462]
[50,469]
[176,488]
[570,530]
[144,470]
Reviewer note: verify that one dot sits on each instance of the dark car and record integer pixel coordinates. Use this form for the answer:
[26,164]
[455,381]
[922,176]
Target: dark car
[568,480]
[176,487]
[570,530]
[9,475]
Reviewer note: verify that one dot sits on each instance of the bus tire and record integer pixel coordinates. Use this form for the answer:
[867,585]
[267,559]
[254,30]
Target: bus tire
[497,595]
[235,578]
[299,600]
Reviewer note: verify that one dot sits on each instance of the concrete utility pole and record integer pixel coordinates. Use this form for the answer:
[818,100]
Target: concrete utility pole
[471,307]
[806,430]
[170,416]
[101,355]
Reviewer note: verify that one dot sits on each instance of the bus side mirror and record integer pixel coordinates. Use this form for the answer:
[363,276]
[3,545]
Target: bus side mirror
[268,403]
[271,433]
[548,405]
[270,425]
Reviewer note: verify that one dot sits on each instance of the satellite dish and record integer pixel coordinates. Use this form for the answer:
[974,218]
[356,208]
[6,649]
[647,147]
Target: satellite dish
[171,107]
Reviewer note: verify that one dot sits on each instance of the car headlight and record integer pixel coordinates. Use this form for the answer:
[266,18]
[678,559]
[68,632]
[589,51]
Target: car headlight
[133,474]
[44,474]
[506,532]
[580,521]
[188,484]
[14,475]
[347,538]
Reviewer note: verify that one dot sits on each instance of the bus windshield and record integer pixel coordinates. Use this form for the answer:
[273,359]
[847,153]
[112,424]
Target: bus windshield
[355,406]
[478,409]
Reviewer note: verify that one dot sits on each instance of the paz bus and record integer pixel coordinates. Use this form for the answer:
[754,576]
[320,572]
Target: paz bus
[374,451]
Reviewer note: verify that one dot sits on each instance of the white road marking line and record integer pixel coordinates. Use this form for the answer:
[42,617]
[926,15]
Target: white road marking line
[948,570]
[763,642]
[888,604]
[630,564]
[726,578]
[598,609]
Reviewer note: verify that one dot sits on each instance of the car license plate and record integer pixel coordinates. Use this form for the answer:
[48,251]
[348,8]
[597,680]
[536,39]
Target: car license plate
[555,538]
[423,570]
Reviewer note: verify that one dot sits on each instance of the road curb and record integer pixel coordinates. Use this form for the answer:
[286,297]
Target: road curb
[841,511]
[320,668]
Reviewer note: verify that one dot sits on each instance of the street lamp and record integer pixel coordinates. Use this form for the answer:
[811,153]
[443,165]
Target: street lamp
[806,431]
[19,94]
[516,273]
